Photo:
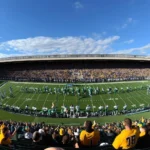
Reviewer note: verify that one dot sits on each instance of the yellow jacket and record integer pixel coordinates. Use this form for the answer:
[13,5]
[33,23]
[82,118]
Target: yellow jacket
[89,138]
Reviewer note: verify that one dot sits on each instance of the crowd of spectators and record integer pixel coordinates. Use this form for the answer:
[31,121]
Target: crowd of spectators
[115,135]
[74,71]
[74,75]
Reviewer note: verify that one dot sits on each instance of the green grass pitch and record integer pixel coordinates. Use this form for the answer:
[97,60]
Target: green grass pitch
[138,98]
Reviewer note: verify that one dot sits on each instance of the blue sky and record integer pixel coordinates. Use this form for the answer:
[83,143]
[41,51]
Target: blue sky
[34,27]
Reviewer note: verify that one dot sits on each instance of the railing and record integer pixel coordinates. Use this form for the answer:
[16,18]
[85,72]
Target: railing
[73,56]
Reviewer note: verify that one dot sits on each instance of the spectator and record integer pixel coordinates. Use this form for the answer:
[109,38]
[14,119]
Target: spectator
[54,148]
[110,136]
[89,137]
[28,134]
[128,137]
[36,136]
[61,131]
[5,135]
[47,138]
[144,139]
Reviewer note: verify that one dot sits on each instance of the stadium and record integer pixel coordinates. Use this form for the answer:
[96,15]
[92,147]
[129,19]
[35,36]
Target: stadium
[69,89]
[74,74]
[91,82]
[98,81]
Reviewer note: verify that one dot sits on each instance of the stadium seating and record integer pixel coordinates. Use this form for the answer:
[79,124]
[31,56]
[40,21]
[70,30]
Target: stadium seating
[54,135]
[75,71]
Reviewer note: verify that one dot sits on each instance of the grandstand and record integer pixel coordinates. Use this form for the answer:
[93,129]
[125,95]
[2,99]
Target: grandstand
[74,68]
[48,88]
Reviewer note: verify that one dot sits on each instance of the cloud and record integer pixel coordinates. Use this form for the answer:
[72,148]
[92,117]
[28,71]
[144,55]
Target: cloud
[139,50]
[127,22]
[98,35]
[63,45]
[124,25]
[78,5]
[129,41]
[104,33]
[3,55]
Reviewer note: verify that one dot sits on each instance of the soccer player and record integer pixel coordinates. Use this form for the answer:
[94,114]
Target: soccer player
[127,139]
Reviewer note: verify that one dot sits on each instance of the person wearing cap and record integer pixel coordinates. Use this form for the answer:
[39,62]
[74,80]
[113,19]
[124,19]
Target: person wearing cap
[144,139]
[89,137]
[37,142]
[127,139]
[36,137]
[28,134]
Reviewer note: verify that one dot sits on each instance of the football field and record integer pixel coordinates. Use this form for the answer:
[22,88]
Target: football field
[135,98]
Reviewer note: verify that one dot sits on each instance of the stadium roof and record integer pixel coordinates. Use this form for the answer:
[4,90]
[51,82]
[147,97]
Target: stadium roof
[76,57]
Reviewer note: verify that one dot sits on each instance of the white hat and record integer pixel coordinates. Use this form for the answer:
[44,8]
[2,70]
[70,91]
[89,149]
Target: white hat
[104,144]
[41,131]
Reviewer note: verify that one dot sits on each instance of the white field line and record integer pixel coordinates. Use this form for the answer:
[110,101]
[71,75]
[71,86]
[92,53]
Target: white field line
[121,98]
[25,100]
[101,98]
[145,95]
[141,97]
[35,100]
[130,95]
[64,99]
[18,99]
[55,101]
[91,99]
[133,97]
[45,100]
[79,83]
[110,95]
[130,101]
[15,91]
[127,98]
[3,85]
